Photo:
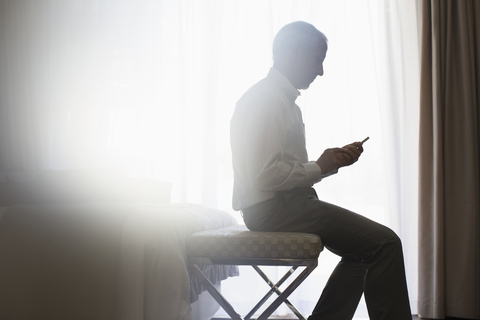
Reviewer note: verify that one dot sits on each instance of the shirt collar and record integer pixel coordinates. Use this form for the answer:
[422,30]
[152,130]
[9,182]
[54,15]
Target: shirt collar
[291,92]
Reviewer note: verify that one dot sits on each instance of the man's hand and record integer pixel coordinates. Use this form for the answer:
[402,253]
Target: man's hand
[354,150]
[335,158]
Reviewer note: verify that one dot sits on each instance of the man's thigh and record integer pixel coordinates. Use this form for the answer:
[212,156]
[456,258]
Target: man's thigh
[342,231]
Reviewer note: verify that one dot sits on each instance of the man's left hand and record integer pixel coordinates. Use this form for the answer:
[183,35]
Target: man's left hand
[351,153]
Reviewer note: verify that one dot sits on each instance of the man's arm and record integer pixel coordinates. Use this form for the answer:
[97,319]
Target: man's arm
[260,128]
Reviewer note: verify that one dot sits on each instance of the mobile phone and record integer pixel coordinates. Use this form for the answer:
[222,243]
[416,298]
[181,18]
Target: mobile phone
[365,140]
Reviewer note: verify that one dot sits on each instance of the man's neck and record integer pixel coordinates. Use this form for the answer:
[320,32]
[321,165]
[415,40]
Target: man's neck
[287,72]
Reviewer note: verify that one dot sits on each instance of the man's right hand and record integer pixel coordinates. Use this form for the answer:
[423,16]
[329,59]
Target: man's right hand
[331,159]
[335,158]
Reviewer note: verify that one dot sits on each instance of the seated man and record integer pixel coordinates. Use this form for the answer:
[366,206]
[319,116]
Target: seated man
[273,182]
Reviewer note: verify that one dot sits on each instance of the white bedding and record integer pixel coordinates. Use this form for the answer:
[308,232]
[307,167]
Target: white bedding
[100,261]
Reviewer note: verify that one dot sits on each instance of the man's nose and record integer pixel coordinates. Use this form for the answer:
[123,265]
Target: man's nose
[320,70]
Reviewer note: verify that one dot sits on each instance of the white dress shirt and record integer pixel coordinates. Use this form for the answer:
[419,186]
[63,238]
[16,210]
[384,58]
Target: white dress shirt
[267,138]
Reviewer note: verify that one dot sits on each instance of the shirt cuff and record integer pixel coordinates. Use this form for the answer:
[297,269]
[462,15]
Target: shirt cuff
[314,173]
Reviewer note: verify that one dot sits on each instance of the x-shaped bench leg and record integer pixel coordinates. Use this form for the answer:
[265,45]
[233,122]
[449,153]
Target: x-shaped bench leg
[282,296]
[274,287]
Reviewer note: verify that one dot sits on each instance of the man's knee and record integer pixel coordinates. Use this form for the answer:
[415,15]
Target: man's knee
[394,242]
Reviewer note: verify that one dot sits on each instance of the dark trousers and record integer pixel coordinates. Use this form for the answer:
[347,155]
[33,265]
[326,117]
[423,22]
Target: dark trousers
[372,258]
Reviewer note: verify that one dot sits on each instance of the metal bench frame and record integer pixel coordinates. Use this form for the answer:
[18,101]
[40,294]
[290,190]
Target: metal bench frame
[309,264]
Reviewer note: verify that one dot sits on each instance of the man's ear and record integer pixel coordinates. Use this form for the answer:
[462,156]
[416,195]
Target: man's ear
[296,49]
[288,55]
[300,51]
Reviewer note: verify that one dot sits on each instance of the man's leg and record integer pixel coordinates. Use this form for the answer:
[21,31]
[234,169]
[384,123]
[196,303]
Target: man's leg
[350,274]
[372,258]
[383,282]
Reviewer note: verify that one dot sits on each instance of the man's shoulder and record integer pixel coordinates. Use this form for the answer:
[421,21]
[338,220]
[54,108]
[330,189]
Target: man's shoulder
[264,91]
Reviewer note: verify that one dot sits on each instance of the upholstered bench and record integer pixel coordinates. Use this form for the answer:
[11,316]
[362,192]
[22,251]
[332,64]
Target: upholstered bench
[236,245]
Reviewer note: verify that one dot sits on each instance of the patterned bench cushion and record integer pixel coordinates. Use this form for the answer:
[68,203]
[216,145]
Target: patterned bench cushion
[239,242]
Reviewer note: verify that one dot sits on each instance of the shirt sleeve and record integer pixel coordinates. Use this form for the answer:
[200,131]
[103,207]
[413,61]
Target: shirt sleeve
[268,162]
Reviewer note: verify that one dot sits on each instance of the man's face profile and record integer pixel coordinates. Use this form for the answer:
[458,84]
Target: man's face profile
[310,63]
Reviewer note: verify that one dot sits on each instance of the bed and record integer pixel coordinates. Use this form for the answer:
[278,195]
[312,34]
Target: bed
[102,259]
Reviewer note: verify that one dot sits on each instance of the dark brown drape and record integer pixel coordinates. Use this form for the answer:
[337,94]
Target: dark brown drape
[449,203]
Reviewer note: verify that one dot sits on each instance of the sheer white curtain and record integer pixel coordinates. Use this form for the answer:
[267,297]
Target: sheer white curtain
[370,88]
[150,86]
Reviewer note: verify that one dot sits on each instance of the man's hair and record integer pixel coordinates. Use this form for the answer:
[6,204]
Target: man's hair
[293,34]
